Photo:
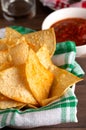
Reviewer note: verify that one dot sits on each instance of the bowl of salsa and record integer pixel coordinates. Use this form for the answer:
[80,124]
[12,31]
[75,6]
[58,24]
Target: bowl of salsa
[69,25]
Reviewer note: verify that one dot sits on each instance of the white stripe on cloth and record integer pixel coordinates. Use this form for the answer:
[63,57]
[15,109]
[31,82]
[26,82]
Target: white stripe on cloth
[1,116]
[70,57]
[35,119]
[61,59]
[2,32]
[9,118]
[68,114]
[76,119]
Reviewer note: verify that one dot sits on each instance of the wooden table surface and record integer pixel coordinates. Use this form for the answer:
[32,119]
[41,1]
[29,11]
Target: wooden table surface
[36,23]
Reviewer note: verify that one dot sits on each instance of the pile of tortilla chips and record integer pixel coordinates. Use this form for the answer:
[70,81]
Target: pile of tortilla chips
[27,75]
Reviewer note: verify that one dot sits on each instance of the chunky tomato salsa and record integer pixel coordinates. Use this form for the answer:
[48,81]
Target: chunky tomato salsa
[73,29]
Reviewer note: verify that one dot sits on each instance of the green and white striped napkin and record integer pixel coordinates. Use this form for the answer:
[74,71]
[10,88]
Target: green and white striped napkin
[63,110]
[64,57]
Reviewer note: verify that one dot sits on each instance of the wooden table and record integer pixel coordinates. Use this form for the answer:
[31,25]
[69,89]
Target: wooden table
[36,23]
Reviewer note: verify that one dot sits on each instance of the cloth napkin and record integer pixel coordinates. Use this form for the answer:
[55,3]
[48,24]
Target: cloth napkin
[58,4]
[63,110]
[64,57]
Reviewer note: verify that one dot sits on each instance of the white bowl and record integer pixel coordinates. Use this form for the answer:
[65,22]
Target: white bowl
[72,12]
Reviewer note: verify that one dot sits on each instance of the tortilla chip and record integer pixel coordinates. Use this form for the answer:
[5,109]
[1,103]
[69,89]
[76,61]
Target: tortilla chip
[13,86]
[3,45]
[43,55]
[5,61]
[29,43]
[28,78]
[49,100]
[12,36]
[5,66]
[63,80]
[40,38]
[19,53]
[39,78]
[21,107]
[31,106]
[3,57]
[8,103]
[2,97]
[4,104]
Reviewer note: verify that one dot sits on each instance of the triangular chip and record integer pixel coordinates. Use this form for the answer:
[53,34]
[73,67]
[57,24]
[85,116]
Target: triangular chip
[4,57]
[5,66]
[8,103]
[19,53]
[14,86]
[5,61]
[40,38]
[63,80]
[3,45]
[2,97]
[11,36]
[43,55]
[4,104]
[39,78]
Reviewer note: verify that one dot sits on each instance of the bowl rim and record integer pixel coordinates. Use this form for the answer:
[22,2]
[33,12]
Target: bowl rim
[54,13]
[46,24]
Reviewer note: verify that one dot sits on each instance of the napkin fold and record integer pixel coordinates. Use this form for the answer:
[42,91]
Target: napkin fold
[64,57]
[58,4]
[63,110]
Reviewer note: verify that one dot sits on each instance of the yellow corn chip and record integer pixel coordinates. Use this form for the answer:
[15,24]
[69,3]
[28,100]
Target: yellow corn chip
[43,55]
[3,45]
[5,61]
[4,104]
[2,97]
[13,86]
[63,80]
[19,53]
[12,36]
[39,78]
[4,57]
[40,38]
[28,78]
[8,103]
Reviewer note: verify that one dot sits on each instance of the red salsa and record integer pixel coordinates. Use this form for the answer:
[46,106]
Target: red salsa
[73,29]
